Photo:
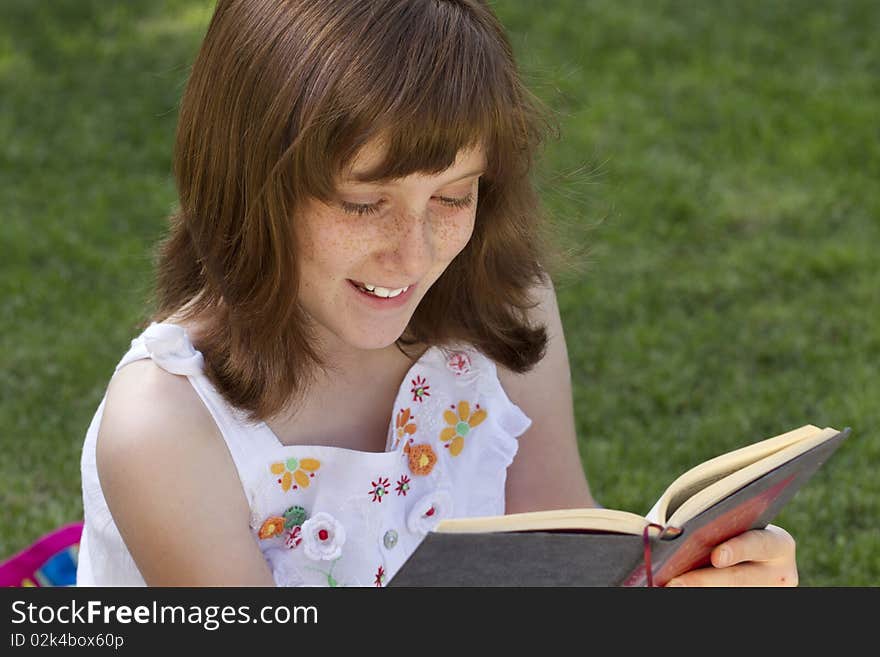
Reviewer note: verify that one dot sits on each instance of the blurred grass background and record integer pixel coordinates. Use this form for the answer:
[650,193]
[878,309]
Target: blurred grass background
[720,160]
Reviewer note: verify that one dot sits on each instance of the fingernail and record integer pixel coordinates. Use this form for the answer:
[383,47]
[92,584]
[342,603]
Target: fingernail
[676,582]
[724,556]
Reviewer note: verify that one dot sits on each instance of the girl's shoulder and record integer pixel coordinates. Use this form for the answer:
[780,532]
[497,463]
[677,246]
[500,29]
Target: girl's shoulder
[141,386]
[152,415]
[170,483]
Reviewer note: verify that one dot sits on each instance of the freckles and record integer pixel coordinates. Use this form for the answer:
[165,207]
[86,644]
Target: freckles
[399,224]
[454,234]
[304,227]
[328,237]
[448,236]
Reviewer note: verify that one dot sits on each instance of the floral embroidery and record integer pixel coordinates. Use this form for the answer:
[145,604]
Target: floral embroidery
[460,423]
[295,515]
[380,577]
[290,521]
[429,511]
[402,485]
[403,425]
[294,537]
[272,527]
[419,390]
[459,363]
[323,537]
[295,470]
[421,458]
[380,489]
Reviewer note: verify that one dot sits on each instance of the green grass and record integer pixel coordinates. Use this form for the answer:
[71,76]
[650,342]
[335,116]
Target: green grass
[719,159]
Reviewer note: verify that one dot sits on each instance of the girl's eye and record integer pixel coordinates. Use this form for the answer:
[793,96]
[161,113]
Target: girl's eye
[463,202]
[360,209]
[363,209]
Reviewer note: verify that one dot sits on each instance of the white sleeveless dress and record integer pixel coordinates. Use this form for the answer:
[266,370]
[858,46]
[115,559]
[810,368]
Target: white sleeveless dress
[329,516]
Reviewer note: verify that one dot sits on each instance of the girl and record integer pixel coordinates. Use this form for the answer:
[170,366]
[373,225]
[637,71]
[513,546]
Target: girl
[355,329]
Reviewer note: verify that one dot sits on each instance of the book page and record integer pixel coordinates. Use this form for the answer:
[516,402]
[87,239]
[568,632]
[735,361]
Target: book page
[707,473]
[588,519]
[717,491]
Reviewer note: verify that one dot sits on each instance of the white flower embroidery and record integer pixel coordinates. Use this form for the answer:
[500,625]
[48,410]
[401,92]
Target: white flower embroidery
[429,511]
[459,363]
[323,537]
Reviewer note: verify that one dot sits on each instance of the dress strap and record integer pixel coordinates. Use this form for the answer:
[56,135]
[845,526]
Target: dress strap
[170,347]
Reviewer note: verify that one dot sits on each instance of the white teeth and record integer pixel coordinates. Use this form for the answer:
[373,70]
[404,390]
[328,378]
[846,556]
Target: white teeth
[384,291]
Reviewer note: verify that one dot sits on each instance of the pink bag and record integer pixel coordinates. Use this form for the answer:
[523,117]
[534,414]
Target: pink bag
[50,561]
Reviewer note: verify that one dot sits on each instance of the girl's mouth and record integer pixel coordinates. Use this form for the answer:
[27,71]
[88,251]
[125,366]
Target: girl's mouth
[382,297]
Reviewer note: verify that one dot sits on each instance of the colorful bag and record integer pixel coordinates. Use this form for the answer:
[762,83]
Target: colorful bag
[50,561]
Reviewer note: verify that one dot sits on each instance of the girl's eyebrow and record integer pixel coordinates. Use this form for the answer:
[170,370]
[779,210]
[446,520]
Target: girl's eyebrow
[362,178]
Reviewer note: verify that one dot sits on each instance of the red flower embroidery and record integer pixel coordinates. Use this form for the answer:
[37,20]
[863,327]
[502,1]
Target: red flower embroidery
[294,537]
[380,577]
[380,489]
[419,390]
[402,485]
[459,363]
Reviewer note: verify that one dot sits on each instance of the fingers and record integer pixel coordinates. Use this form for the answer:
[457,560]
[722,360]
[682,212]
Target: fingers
[770,544]
[760,557]
[741,575]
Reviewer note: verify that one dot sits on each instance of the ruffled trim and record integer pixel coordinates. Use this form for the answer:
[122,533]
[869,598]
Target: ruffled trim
[513,420]
[170,348]
[472,368]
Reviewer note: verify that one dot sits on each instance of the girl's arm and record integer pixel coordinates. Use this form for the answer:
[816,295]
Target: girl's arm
[171,485]
[547,471]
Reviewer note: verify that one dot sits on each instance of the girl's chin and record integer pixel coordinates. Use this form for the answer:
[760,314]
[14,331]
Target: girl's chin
[375,342]
[363,338]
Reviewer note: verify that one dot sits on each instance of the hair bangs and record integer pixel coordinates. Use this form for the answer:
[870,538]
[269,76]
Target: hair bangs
[436,81]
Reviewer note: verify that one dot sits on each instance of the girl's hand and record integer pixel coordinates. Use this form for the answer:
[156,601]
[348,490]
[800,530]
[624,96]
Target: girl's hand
[760,557]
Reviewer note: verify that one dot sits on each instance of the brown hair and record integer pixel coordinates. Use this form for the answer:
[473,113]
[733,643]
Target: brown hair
[281,95]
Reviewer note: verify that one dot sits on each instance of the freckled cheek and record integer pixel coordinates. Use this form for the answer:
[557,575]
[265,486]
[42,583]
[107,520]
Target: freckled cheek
[452,235]
[326,245]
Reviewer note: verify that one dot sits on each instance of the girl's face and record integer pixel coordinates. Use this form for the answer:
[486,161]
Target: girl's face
[399,234]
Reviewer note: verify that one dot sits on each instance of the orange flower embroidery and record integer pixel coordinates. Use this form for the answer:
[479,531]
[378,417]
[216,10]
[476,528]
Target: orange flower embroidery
[295,470]
[272,527]
[421,458]
[460,423]
[403,425]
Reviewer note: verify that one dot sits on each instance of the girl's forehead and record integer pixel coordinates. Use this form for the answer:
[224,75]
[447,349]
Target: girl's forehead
[372,155]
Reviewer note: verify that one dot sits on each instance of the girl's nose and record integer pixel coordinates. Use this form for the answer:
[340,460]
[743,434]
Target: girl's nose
[409,251]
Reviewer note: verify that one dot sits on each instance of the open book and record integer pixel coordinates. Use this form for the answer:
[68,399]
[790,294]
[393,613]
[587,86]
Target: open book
[713,501]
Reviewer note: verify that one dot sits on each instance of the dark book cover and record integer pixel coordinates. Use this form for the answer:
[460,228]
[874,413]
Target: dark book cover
[584,558]
[751,507]
[521,559]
